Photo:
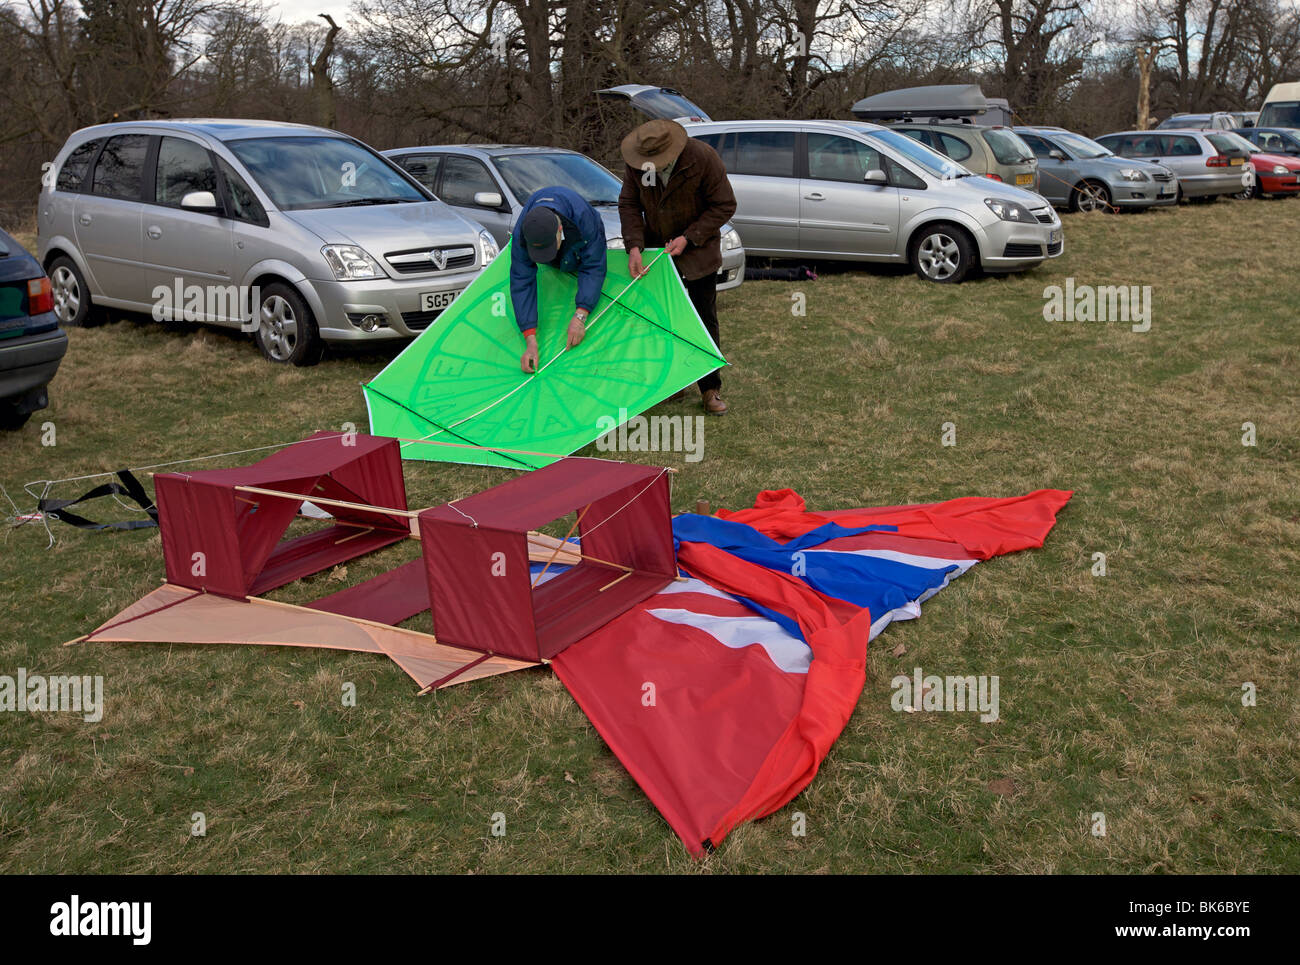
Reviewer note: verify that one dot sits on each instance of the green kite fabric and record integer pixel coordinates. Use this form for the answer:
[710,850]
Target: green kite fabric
[460,381]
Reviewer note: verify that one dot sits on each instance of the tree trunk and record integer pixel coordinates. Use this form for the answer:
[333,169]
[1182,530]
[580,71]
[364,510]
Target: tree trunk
[321,85]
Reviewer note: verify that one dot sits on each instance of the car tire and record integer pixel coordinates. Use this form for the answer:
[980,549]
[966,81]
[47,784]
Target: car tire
[286,331]
[11,415]
[1091,196]
[72,303]
[942,253]
[1249,193]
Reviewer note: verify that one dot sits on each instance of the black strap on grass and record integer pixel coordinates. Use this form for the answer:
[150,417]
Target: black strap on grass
[129,487]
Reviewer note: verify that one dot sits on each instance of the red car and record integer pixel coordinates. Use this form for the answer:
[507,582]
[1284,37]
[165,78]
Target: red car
[1276,174]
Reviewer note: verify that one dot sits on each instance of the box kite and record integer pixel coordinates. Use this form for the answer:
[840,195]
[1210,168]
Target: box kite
[459,385]
[223,546]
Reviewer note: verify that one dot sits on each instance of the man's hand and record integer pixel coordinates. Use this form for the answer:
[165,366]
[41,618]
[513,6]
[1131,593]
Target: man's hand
[529,360]
[577,329]
[634,266]
[676,246]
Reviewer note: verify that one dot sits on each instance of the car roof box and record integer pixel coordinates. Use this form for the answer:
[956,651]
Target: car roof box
[940,100]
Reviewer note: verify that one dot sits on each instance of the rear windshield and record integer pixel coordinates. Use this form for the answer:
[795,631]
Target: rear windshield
[1233,144]
[1280,114]
[1008,146]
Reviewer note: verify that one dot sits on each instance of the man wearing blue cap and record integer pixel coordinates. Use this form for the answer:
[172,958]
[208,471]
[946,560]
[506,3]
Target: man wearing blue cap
[557,228]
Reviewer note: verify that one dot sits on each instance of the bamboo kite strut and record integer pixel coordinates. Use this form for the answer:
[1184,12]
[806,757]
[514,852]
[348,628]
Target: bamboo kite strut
[534,539]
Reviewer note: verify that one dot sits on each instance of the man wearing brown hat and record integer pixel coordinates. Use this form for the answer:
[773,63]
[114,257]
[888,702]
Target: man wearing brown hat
[676,195]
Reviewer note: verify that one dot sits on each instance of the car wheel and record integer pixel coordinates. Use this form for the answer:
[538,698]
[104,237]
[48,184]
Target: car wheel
[1091,196]
[286,331]
[11,415]
[1251,192]
[942,253]
[72,304]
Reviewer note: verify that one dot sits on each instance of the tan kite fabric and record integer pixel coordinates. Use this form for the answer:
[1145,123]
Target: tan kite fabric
[174,614]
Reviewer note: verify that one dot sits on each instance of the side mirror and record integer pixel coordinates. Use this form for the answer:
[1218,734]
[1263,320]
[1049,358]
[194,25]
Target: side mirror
[488,199]
[199,201]
[1056,155]
[876,176]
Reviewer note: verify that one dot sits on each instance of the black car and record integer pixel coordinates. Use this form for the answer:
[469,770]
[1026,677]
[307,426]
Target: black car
[31,342]
[1273,140]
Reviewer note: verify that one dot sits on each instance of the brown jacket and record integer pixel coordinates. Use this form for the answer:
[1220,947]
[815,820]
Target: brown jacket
[695,203]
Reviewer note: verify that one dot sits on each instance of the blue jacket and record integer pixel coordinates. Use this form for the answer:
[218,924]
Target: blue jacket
[582,251]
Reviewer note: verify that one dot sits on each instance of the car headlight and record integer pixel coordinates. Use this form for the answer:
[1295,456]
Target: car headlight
[1010,211]
[731,240]
[1280,169]
[350,263]
[614,243]
[487,247]
[1133,174]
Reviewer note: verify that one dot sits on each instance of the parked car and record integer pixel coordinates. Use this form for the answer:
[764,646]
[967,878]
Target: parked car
[655,102]
[1281,107]
[1274,140]
[1244,118]
[31,342]
[947,119]
[303,235]
[1081,175]
[1276,175]
[1216,121]
[490,183]
[852,191]
[1208,164]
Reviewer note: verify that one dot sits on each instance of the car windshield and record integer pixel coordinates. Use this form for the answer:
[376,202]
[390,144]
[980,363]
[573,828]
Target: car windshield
[1187,121]
[1280,114]
[322,172]
[916,152]
[526,173]
[1008,147]
[1084,148]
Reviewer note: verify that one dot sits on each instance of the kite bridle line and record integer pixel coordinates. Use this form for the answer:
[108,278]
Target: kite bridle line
[492,405]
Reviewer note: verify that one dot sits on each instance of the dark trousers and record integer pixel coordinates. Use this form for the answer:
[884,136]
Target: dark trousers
[704,296]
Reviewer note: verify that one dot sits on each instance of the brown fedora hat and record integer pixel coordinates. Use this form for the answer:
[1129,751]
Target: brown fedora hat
[656,142]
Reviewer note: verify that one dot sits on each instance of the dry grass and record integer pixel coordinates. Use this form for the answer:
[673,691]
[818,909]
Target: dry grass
[1119,694]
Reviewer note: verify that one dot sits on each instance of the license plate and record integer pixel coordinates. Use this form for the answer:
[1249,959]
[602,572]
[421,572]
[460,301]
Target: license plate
[1023,179]
[434,301]
[1054,237]
[1237,162]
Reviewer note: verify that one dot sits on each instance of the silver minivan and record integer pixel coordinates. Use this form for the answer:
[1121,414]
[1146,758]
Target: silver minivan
[854,191]
[300,235]
[491,183]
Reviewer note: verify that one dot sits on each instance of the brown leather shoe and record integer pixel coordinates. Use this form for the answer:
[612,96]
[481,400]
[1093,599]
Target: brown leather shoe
[713,403]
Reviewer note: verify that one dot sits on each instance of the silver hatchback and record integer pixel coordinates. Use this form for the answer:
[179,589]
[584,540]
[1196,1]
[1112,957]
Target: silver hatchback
[297,234]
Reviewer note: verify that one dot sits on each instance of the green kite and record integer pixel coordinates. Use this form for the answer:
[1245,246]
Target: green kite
[456,394]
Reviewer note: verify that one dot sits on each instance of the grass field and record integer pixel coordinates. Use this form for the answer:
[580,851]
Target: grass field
[1120,694]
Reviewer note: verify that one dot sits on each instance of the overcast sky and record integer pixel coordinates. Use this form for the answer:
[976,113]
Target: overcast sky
[294,11]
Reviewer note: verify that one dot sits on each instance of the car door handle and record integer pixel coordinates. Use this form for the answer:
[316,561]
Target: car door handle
[815,196]
[154,232]
[85,219]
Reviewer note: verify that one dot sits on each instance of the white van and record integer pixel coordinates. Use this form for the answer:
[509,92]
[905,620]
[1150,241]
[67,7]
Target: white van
[1281,107]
